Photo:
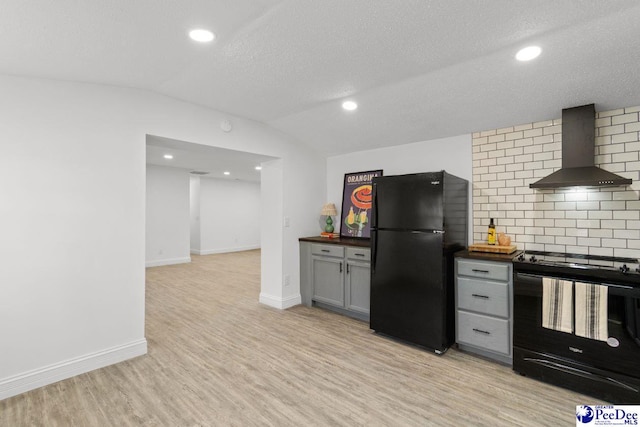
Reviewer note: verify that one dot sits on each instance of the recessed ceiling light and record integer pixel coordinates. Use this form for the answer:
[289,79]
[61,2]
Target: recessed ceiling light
[226,173]
[349,105]
[201,35]
[168,156]
[528,53]
[258,168]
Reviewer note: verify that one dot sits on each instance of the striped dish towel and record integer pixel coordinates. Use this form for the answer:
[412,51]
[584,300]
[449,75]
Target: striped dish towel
[557,304]
[591,311]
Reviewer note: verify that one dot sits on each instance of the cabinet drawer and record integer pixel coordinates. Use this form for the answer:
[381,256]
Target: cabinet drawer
[483,331]
[359,254]
[483,296]
[328,250]
[484,269]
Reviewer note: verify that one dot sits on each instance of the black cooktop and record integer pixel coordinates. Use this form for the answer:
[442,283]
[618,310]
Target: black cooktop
[585,266]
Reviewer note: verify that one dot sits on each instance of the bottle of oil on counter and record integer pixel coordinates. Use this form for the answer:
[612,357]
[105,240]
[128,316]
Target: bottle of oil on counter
[491,234]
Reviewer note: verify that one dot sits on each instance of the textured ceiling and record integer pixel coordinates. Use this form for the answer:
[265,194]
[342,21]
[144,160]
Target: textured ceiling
[419,69]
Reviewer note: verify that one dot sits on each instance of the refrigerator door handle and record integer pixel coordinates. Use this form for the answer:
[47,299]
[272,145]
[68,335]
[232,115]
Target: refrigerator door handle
[374,252]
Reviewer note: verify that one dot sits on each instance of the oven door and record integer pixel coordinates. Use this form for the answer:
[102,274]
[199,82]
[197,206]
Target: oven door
[620,353]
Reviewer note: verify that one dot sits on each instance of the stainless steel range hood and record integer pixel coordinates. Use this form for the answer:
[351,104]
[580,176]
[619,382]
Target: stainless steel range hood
[578,154]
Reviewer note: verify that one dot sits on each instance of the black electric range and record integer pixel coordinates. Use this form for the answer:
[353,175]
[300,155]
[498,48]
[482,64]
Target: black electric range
[592,268]
[604,365]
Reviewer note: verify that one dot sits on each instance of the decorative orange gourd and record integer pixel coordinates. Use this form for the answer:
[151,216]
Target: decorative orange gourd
[503,239]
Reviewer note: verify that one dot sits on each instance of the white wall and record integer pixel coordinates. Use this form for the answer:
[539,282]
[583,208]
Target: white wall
[450,154]
[72,218]
[167,216]
[229,216]
[194,213]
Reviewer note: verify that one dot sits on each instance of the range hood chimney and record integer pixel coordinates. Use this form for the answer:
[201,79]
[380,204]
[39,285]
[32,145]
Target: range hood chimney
[578,154]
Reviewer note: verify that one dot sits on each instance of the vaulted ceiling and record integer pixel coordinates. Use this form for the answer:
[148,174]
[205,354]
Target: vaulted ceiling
[419,69]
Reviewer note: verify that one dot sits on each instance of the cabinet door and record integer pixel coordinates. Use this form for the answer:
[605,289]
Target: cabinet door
[328,280]
[358,286]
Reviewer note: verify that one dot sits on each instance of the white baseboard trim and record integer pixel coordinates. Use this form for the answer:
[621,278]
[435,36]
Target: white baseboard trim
[22,383]
[169,261]
[280,303]
[223,250]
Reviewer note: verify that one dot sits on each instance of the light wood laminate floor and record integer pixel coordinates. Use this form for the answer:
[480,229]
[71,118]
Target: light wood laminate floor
[219,358]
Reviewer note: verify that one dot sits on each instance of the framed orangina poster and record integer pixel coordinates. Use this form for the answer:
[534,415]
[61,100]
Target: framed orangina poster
[357,195]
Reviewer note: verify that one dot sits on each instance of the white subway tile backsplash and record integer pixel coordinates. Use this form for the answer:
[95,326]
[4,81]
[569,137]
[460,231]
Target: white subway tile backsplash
[531,149]
[564,240]
[550,130]
[611,113]
[627,253]
[610,130]
[577,214]
[543,124]
[554,231]
[598,195]
[601,251]
[614,243]
[543,139]
[600,215]
[613,223]
[526,126]
[514,135]
[597,232]
[532,133]
[499,138]
[626,234]
[567,206]
[588,206]
[613,205]
[630,214]
[611,148]
[504,130]
[543,156]
[624,118]
[566,223]
[578,250]
[624,137]
[577,232]
[625,157]
[601,221]
[589,223]
[588,241]
[544,239]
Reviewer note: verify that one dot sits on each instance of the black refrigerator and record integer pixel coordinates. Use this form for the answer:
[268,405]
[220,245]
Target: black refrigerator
[418,221]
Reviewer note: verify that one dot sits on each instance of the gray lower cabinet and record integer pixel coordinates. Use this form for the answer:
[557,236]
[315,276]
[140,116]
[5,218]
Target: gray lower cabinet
[484,308]
[335,277]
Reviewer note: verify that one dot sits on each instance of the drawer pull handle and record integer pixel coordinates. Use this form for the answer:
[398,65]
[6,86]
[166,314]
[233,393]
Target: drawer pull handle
[480,296]
[325,250]
[340,267]
[480,271]
[359,254]
[480,331]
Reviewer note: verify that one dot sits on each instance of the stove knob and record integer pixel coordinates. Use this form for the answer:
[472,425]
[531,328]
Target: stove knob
[521,257]
[533,258]
[624,268]
[638,270]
